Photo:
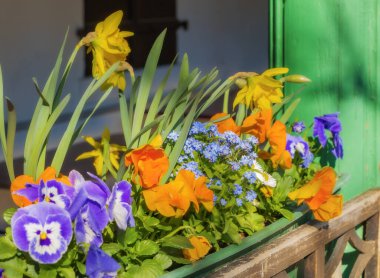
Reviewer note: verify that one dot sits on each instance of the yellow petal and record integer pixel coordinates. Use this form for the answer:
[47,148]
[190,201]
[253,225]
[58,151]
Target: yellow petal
[111,23]
[157,141]
[275,71]
[98,164]
[90,154]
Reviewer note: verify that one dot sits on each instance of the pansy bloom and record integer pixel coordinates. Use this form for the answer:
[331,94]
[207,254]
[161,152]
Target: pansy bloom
[88,208]
[25,190]
[298,127]
[317,194]
[201,248]
[226,124]
[331,123]
[120,205]
[44,230]
[99,264]
[150,164]
[296,144]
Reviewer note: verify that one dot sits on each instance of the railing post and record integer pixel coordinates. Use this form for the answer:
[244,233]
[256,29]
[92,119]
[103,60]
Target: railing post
[315,264]
[372,232]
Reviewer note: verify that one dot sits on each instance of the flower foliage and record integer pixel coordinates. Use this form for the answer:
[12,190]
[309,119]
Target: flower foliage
[180,188]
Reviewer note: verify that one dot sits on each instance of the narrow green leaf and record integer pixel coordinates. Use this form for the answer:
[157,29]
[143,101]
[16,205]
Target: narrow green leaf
[289,111]
[43,134]
[125,118]
[226,101]
[11,133]
[68,136]
[39,92]
[146,83]
[145,129]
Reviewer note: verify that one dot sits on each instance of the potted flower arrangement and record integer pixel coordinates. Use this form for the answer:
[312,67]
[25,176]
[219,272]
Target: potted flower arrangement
[179,188]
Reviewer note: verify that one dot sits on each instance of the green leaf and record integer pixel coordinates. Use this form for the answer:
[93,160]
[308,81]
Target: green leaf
[286,213]
[11,133]
[14,268]
[130,236]
[8,249]
[7,215]
[111,248]
[232,232]
[146,83]
[163,260]
[67,272]
[146,248]
[81,267]
[289,111]
[179,260]
[177,241]
[148,269]
[48,273]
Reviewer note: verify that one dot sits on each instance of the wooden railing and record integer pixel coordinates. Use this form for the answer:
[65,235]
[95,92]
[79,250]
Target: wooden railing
[306,246]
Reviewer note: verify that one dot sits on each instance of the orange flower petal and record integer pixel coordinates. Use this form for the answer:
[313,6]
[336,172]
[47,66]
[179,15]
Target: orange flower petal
[330,209]
[17,184]
[258,124]
[201,248]
[225,125]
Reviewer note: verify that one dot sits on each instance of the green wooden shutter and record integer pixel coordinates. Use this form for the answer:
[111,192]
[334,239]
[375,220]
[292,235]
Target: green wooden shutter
[336,44]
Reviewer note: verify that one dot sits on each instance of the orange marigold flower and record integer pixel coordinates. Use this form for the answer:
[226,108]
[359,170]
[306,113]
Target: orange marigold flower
[150,164]
[225,125]
[258,124]
[21,181]
[317,194]
[201,248]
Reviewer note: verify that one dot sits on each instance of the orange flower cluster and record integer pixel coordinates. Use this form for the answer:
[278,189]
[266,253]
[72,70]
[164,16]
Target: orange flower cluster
[175,197]
[259,125]
[317,194]
[201,248]
[21,181]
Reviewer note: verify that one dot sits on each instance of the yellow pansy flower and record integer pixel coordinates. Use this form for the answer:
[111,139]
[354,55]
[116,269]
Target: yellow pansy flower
[260,90]
[108,46]
[97,153]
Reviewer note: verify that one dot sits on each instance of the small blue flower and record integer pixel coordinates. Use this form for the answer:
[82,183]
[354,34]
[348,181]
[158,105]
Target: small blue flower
[252,140]
[298,127]
[211,151]
[246,160]
[223,202]
[307,159]
[215,198]
[245,146]
[197,128]
[182,158]
[239,202]
[218,183]
[191,145]
[250,177]
[234,165]
[193,167]
[231,138]
[238,190]
[213,131]
[173,136]
[251,195]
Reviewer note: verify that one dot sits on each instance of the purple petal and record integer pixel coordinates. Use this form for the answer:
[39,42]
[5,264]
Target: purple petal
[99,264]
[101,184]
[30,191]
[338,146]
[319,131]
[75,178]
[48,251]
[20,230]
[120,205]
[66,230]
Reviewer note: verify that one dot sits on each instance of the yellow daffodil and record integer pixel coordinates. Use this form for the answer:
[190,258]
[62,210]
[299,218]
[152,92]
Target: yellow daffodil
[97,153]
[109,46]
[260,90]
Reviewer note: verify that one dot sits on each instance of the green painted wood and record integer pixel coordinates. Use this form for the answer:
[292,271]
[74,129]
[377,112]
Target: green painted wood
[336,43]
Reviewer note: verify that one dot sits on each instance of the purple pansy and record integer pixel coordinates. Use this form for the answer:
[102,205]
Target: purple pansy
[331,123]
[99,264]
[298,127]
[55,192]
[298,144]
[89,208]
[120,205]
[1,272]
[42,229]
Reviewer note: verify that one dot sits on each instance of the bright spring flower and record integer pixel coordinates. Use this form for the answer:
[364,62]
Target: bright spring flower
[97,153]
[296,144]
[99,264]
[317,194]
[25,190]
[42,229]
[175,197]
[331,123]
[150,165]
[201,248]
[109,46]
[226,124]
[260,90]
